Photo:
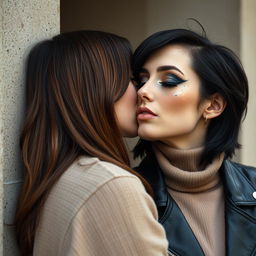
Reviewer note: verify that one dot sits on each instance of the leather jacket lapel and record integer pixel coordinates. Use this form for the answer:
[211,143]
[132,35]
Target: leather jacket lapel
[182,241]
[240,209]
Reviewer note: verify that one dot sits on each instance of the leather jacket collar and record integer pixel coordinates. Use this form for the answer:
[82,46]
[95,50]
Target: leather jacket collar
[239,183]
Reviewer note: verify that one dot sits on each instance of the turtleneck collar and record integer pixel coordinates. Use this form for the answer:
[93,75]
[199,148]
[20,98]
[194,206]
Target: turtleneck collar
[181,168]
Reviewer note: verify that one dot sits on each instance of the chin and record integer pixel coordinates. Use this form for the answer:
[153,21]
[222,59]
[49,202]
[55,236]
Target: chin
[131,132]
[146,135]
[130,135]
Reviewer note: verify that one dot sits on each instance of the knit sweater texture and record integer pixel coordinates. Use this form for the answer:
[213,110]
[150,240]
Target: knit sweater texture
[198,193]
[97,208]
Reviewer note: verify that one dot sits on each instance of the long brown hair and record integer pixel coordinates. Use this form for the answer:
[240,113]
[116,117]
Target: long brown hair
[72,83]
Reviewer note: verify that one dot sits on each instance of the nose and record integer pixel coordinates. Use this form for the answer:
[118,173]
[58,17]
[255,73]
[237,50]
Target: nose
[144,93]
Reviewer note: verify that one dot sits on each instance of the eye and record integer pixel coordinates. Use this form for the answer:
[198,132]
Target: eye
[171,80]
[143,80]
[135,83]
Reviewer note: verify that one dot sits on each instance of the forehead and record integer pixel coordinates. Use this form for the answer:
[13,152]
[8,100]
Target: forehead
[176,54]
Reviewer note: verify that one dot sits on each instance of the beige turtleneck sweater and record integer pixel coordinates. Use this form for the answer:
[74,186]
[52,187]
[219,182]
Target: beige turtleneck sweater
[198,193]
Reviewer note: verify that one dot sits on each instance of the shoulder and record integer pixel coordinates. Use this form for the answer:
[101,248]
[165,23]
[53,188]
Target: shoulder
[82,179]
[119,214]
[91,173]
[240,166]
[77,185]
[239,182]
[103,188]
[87,193]
[240,170]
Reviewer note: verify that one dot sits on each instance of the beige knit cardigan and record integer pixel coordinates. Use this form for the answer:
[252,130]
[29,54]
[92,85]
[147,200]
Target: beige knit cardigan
[99,209]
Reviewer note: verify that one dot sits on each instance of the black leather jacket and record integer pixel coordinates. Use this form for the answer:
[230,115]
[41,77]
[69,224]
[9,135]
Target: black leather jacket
[240,210]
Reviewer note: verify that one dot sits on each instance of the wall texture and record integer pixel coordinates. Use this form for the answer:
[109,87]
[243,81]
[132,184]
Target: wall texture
[1,132]
[126,18]
[23,22]
[248,55]
[219,18]
[137,19]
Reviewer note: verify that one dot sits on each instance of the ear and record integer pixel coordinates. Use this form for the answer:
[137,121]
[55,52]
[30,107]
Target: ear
[215,105]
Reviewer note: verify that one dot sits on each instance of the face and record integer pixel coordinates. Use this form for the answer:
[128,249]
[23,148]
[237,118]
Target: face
[125,109]
[170,109]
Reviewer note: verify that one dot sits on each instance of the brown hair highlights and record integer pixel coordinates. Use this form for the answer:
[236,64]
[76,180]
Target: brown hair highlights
[72,83]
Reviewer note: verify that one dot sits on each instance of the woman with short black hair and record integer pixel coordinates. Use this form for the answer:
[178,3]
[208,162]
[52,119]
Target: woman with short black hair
[192,98]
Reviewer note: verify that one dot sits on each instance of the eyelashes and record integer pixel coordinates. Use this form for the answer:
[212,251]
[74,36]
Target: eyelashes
[169,80]
[141,81]
[134,81]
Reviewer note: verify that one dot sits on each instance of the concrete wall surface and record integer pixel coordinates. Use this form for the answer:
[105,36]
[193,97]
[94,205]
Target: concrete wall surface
[23,23]
[1,133]
[248,56]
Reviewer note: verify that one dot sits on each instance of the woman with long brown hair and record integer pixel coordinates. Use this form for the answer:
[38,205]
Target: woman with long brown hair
[79,195]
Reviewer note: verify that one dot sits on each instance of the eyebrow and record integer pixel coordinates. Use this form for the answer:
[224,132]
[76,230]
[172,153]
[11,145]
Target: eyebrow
[162,68]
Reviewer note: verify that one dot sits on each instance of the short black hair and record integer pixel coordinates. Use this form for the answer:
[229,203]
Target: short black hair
[220,71]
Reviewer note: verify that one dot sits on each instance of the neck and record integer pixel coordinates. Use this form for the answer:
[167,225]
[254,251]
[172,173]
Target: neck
[182,144]
[184,159]
[183,171]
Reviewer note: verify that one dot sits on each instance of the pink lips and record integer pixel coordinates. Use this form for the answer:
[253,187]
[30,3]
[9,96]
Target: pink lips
[144,113]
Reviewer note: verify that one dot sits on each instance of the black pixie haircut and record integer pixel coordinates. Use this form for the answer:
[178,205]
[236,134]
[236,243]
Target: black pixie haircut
[220,71]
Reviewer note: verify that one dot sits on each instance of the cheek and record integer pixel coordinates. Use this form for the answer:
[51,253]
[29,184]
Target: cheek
[125,109]
[180,112]
[175,104]
[129,112]
[180,100]
[133,96]
[131,100]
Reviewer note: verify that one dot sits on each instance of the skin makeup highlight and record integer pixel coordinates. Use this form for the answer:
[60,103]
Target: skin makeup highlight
[180,90]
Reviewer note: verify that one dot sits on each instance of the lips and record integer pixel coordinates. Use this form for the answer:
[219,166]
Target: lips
[144,113]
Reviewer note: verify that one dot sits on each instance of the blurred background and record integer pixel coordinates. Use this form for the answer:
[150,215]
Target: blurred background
[225,22]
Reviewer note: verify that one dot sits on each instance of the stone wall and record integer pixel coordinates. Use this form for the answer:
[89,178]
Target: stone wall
[23,23]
